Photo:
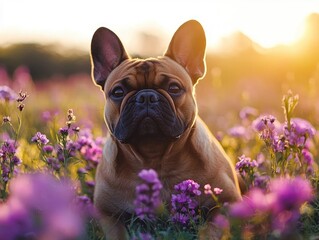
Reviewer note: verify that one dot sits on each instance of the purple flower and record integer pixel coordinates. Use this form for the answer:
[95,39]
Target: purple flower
[221,222]
[82,171]
[248,112]
[90,184]
[290,194]
[68,152]
[261,181]
[40,138]
[16,161]
[267,127]
[279,143]
[280,206]
[54,163]
[308,160]
[238,132]
[255,202]
[5,172]
[48,149]
[90,148]
[184,203]
[7,94]
[303,127]
[40,207]
[8,148]
[245,165]
[71,147]
[8,159]
[308,157]
[148,199]
[64,131]
[85,206]
[300,130]
[49,115]
[60,154]
[285,223]
[264,123]
[92,153]
[149,176]
[271,132]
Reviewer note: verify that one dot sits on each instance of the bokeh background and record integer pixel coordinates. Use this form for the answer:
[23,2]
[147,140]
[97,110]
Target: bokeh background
[257,51]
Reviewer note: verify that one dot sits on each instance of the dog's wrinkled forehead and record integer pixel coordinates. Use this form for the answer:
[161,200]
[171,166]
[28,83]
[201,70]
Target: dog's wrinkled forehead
[148,73]
[145,73]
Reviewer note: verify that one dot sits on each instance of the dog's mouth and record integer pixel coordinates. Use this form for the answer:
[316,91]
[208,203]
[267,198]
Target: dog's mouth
[148,114]
[148,126]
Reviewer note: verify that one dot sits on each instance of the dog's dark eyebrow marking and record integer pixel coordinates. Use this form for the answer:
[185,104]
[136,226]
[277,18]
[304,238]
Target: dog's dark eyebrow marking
[143,71]
[165,80]
[126,84]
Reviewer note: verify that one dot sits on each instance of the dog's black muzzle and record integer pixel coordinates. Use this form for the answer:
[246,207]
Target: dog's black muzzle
[148,113]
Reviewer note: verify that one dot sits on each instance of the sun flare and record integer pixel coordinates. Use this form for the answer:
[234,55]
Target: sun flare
[72,23]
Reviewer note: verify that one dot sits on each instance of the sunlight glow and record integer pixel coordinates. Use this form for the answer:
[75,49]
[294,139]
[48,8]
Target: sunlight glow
[73,22]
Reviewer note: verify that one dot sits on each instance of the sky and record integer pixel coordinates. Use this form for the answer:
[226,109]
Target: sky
[73,22]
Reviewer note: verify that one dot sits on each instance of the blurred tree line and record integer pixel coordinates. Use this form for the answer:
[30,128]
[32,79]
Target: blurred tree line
[241,58]
[44,61]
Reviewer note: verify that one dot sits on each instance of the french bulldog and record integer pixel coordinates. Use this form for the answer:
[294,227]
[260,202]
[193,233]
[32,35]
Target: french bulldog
[152,120]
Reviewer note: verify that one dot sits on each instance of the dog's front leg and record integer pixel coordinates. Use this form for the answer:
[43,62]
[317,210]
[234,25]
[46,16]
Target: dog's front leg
[113,228]
[210,232]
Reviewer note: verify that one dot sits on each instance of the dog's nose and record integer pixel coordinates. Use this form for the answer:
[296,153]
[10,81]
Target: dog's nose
[147,96]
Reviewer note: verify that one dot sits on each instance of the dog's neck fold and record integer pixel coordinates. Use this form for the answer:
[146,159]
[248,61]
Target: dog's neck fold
[154,153]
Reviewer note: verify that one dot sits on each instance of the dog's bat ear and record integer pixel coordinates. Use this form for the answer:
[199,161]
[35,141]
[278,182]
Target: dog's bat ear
[188,47]
[107,52]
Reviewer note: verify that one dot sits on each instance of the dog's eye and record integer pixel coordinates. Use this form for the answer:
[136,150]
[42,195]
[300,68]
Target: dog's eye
[117,92]
[174,88]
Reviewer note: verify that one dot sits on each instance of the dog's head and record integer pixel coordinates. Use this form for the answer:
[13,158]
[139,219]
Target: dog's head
[154,97]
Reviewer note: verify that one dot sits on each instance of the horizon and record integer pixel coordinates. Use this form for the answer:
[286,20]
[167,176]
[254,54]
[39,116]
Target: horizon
[267,23]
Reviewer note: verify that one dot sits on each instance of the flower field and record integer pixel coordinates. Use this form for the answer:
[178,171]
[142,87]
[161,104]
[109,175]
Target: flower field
[51,140]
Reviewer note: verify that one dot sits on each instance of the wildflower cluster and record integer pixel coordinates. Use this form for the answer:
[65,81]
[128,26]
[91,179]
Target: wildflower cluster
[184,203]
[290,135]
[40,207]
[7,94]
[208,190]
[9,161]
[266,126]
[83,143]
[247,168]
[214,194]
[245,165]
[277,187]
[275,212]
[73,146]
[288,143]
[148,199]
[281,178]
[40,139]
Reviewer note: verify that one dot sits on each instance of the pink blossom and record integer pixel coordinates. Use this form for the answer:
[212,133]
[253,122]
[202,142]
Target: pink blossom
[218,191]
